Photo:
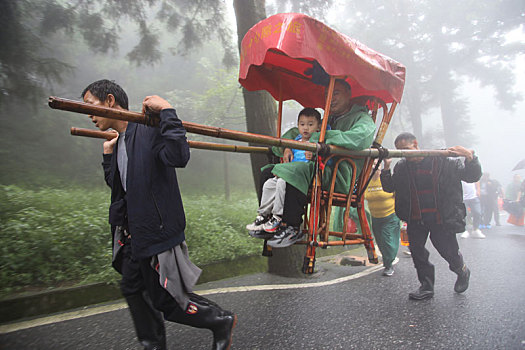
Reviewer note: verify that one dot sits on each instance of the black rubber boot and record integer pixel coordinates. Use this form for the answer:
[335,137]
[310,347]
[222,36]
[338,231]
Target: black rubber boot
[204,313]
[425,291]
[421,294]
[463,280]
[150,346]
[149,323]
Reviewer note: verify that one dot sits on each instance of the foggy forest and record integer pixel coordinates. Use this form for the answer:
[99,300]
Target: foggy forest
[465,85]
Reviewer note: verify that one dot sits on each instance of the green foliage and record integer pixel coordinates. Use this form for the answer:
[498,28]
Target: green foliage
[25,67]
[215,230]
[314,8]
[53,237]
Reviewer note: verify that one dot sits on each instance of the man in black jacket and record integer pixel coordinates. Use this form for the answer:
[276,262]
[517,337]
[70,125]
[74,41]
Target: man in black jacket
[429,197]
[146,211]
[148,322]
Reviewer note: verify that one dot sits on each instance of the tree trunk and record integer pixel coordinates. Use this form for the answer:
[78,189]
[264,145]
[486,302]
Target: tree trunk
[455,121]
[261,118]
[414,109]
[261,109]
[287,262]
[453,113]
[447,117]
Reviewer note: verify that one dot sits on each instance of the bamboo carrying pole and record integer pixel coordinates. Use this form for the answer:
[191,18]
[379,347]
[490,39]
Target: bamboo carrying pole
[193,144]
[113,113]
[93,133]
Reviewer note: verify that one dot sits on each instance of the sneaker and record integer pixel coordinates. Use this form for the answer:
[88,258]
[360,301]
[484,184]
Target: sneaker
[421,294]
[388,271]
[462,281]
[477,234]
[273,224]
[257,224]
[282,237]
[407,252]
[464,235]
[291,239]
[261,234]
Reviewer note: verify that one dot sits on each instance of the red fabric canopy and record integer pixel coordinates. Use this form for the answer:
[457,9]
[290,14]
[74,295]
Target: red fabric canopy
[279,49]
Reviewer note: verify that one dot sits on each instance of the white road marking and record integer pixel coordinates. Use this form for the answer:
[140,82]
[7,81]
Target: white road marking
[66,316]
[13,327]
[288,286]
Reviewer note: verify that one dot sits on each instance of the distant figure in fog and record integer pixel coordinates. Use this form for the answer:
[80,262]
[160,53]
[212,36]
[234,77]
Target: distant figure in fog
[489,190]
[522,194]
[515,203]
[513,189]
[429,198]
[471,200]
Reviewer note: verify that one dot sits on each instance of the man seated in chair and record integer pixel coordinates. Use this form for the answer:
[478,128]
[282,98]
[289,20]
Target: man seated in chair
[351,128]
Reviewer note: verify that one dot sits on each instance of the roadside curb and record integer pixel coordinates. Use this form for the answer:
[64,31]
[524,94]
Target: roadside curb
[18,308]
[37,304]
[48,302]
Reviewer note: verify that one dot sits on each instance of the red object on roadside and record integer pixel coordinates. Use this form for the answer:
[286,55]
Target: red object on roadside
[514,220]
[404,235]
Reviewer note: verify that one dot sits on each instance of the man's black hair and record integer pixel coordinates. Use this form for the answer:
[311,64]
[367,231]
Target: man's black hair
[102,88]
[345,84]
[310,112]
[405,136]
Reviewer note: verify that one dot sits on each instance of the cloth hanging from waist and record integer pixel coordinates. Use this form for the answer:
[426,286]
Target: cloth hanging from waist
[177,274]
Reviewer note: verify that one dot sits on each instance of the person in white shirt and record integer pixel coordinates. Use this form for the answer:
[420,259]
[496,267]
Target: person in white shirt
[471,200]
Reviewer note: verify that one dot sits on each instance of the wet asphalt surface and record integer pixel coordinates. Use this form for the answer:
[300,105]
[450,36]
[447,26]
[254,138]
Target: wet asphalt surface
[369,312]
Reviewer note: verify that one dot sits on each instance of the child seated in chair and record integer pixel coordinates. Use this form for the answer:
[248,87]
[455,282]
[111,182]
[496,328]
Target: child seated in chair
[273,192]
[351,128]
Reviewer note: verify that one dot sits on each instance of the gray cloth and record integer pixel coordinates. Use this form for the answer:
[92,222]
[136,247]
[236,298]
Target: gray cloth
[272,199]
[122,159]
[118,241]
[177,274]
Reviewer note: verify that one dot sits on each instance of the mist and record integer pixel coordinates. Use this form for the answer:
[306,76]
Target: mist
[487,111]
[500,135]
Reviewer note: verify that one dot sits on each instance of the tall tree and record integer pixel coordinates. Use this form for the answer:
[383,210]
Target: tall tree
[261,110]
[97,22]
[220,105]
[37,36]
[441,43]
[27,59]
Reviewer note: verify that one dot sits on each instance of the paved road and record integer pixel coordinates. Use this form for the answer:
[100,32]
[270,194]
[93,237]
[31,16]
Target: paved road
[340,308]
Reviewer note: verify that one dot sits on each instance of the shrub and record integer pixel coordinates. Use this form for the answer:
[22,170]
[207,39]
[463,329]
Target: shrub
[215,229]
[53,237]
